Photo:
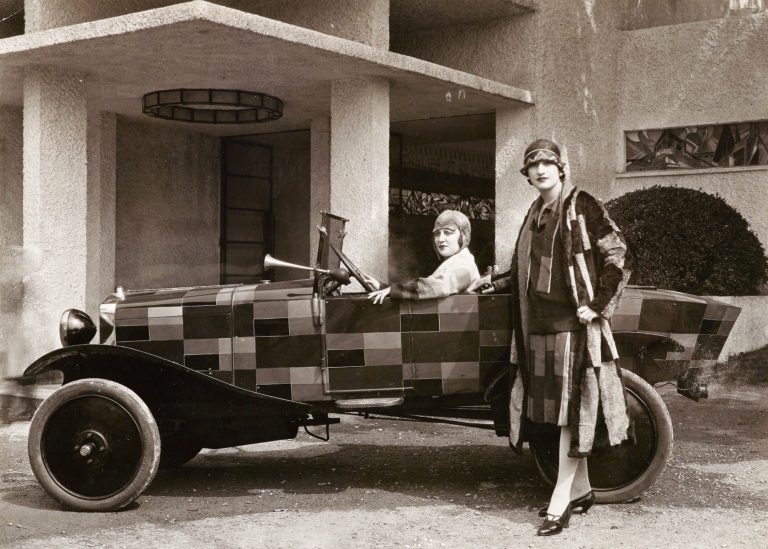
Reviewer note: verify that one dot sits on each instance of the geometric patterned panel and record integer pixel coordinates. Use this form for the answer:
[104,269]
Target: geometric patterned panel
[696,326]
[697,147]
[364,346]
[455,341]
[263,337]
[432,203]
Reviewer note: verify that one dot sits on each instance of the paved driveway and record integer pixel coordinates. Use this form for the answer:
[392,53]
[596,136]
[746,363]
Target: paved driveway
[387,483]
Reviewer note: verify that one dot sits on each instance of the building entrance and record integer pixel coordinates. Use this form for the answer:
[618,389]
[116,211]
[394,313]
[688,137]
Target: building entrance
[437,165]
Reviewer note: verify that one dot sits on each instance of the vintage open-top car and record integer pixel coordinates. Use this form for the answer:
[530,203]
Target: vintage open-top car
[179,370]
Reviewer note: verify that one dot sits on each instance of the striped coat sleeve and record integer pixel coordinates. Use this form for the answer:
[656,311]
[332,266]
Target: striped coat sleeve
[451,282]
[612,259]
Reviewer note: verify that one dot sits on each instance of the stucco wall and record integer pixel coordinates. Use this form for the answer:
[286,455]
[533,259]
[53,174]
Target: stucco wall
[699,73]
[290,199]
[497,49]
[168,207]
[571,49]
[501,50]
[366,21]
[102,136]
[320,179]
[716,80]
[643,14]
[55,205]
[49,14]
[360,169]
[750,331]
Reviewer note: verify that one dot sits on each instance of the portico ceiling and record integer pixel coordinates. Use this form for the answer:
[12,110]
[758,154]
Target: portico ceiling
[203,45]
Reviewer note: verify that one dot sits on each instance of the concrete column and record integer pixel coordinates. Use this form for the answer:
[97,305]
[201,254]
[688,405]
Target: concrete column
[360,169]
[102,145]
[55,202]
[514,130]
[380,24]
[50,14]
[320,179]
[365,21]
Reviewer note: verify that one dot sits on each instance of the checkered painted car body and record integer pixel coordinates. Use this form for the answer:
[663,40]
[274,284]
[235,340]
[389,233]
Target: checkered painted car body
[273,339]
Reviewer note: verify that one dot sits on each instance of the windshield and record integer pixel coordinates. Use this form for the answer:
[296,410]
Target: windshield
[331,231]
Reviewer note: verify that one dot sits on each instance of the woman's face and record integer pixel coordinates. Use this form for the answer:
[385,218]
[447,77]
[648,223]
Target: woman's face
[447,241]
[544,175]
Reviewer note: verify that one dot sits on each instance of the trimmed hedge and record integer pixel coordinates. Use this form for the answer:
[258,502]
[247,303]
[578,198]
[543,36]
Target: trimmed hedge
[689,241]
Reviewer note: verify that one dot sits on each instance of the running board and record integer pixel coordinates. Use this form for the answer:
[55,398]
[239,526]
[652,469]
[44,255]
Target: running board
[358,403]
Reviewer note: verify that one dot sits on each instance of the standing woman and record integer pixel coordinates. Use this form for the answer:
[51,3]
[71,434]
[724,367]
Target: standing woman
[568,272]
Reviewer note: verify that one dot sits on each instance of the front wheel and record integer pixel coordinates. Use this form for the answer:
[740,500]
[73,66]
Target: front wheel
[94,445]
[622,473]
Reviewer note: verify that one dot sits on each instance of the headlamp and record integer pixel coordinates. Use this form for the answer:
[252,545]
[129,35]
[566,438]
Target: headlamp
[76,328]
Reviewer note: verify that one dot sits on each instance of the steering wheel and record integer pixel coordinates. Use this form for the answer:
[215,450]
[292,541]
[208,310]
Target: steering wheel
[352,268]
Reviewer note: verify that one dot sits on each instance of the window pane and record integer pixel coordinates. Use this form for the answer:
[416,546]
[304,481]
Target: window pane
[244,225]
[245,259]
[248,160]
[247,193]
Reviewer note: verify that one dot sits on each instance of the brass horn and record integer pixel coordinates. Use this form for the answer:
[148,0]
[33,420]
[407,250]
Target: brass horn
[342,275]
[270,262]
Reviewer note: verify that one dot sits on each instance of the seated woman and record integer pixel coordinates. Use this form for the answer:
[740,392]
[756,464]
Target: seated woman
[451,237]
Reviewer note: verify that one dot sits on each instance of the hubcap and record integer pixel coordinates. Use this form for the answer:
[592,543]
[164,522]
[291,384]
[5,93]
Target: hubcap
[92,447]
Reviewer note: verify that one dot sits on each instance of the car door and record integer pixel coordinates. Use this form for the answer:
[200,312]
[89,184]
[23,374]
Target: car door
[455,342]
[364,354]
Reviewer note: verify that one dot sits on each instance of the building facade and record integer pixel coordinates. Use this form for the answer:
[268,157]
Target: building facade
[391,110]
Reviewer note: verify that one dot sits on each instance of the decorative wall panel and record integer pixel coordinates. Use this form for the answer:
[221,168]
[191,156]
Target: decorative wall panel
[432,203]
[697,147]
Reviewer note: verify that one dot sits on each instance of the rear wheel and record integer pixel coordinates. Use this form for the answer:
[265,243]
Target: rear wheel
[622,473]
[94,445]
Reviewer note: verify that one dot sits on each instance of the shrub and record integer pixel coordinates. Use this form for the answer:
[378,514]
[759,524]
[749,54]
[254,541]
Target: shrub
[689,241]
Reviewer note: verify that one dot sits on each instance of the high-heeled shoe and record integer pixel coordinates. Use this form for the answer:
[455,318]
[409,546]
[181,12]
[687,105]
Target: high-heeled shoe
[580,506]
[556,524]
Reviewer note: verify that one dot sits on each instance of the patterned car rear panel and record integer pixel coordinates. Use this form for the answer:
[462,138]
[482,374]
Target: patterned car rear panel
[695,328]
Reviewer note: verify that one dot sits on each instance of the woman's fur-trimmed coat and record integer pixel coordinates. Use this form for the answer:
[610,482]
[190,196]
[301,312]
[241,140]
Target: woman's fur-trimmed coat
[596,263]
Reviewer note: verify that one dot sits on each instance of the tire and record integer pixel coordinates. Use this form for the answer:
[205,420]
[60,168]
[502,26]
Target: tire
[622,473]
[177,449]
[94,445]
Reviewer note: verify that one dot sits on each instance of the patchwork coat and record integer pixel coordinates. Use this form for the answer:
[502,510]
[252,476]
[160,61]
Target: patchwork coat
[596,264]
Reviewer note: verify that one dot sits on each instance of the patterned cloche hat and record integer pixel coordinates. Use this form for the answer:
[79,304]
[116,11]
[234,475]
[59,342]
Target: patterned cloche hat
[542,149]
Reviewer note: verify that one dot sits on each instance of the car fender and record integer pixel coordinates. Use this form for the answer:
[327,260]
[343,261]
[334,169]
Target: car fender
[654,357]
[168,388]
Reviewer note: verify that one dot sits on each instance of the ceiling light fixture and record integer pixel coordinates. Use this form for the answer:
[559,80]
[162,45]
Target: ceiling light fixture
[208,106]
